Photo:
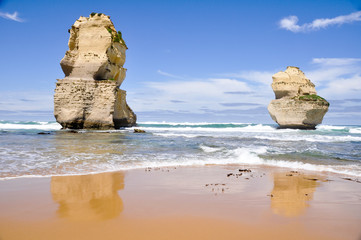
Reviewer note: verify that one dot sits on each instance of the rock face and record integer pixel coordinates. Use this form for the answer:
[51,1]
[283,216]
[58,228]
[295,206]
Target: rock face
[297,104]
[89,95]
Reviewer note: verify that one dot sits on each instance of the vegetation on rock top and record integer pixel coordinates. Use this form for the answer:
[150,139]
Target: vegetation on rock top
[312,97]
[93,14]
[117,37]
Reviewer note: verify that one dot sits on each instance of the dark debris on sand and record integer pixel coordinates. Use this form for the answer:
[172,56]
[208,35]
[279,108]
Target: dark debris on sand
[353,180]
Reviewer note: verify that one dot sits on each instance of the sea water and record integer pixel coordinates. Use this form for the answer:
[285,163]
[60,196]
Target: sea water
[26,153]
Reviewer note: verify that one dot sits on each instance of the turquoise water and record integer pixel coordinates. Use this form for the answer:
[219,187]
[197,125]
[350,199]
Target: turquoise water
[25,153]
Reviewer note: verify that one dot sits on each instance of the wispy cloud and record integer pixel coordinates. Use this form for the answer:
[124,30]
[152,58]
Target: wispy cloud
[26,101]
[197,93]
[13,16]
[327,70]
[336,78]
[193,95]
[336,61]
[252,76]
[239,93]
[291,23]
[168,74]
[237,104]
[177,101]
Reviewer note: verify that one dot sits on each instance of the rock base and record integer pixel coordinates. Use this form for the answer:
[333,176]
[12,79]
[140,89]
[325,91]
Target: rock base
[91,104]
[297,114]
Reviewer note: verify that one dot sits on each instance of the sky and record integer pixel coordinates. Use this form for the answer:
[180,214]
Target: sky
[190,61]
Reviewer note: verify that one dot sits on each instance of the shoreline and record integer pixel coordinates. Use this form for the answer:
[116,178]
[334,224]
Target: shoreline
[206,202]
[341,175]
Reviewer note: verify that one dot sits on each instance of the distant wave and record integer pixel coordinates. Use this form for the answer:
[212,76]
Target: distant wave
[355,130]
[268,134]
[184,126]
[330,127]
[214,128]
[209,149]
[12,125]
[312,138]
[190,123]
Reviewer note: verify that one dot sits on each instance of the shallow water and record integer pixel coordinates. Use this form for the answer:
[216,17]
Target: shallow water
[25,153]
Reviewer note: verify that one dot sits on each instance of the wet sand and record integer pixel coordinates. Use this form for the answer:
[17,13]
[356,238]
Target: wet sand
[212,202]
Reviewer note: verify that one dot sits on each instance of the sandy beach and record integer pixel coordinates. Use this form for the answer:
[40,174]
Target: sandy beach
[210,202]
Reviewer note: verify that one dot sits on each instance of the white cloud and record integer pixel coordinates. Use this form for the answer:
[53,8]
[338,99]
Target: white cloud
[211,87]
[26,101]
[337,78]
[10,16]
[290,23]
[344,87]
[336,61]
[167,74]
[194,95]
[333,69]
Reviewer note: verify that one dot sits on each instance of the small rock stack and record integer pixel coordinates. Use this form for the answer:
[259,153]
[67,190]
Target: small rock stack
[297,104]
[89,96]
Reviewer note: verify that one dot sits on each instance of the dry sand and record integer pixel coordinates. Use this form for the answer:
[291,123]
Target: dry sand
[182,203]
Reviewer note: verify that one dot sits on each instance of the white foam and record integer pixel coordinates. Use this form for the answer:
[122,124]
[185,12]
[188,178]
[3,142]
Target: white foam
[355,130]
[330,127]
[272,135]
[208,149]
[247,156]
[189,123]
[241,156]
[177,135]
[40,126]
[256,128]
[311,138]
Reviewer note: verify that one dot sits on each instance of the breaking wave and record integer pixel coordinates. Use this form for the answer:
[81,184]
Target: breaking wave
[14,125]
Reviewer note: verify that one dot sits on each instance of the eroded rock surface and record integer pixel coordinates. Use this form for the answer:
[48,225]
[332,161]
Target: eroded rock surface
[297,104]
[292,82]
[89,95]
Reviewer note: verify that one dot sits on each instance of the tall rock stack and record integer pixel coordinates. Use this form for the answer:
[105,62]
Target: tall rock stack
[89,96]
[297,104]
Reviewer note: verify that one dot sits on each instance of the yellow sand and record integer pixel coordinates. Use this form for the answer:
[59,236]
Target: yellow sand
[182,203]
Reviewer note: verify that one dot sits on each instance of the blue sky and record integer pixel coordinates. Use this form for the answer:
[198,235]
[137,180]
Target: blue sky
[190,61]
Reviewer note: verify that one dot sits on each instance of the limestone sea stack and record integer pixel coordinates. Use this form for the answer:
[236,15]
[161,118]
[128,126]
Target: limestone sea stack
[297,104]
[89,96]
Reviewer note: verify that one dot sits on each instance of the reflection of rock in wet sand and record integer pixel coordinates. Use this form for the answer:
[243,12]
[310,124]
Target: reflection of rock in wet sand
[291,193]
[88,197]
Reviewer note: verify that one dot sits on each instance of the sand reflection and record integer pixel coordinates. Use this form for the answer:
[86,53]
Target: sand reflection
[88,197]
[291,193]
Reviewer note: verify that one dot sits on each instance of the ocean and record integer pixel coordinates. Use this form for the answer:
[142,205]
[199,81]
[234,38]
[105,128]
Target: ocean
[26,153]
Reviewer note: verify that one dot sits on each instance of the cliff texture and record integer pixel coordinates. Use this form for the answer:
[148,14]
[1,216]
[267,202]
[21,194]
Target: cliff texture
[89,95]
[297,104]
